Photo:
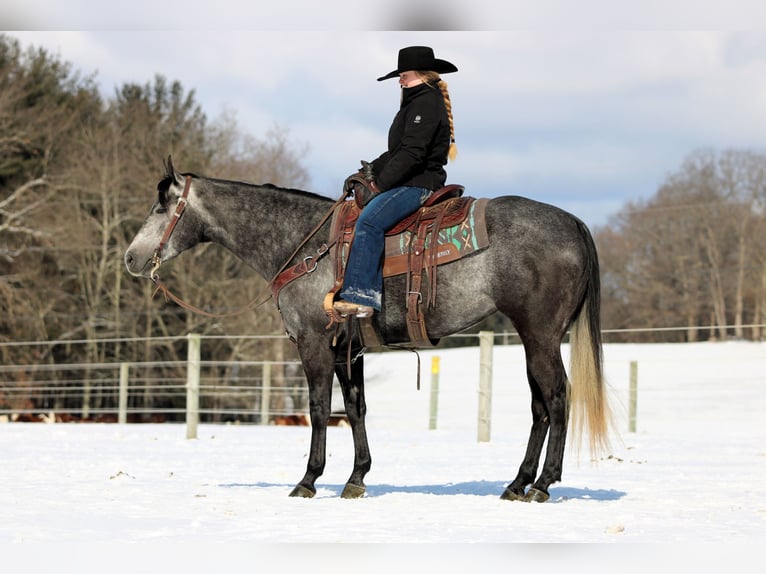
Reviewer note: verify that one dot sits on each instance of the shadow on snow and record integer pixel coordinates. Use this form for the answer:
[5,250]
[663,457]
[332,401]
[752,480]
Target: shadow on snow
[473,488]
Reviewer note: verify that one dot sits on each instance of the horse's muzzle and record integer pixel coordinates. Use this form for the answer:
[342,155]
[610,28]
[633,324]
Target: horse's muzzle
[134,267]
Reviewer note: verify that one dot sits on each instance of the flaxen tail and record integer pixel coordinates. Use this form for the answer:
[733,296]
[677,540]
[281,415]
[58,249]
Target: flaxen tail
[588,404]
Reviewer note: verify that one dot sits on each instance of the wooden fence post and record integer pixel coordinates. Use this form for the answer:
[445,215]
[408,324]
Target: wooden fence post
[265,393]
[434,393]
[122,412]
[633,403]
[192,385]
[486,340]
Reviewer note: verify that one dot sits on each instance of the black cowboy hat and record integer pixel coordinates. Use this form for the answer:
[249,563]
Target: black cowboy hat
[419,58]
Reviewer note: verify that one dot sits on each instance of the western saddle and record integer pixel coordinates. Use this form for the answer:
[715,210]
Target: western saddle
[413,247]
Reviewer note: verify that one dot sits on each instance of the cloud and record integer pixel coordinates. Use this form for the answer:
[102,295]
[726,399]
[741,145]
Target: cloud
[554,113]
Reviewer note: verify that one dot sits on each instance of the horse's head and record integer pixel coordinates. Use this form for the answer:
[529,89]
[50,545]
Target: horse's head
[163,236]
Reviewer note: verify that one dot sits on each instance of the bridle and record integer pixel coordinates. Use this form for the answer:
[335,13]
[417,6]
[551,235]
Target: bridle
[157,259]
[180,206]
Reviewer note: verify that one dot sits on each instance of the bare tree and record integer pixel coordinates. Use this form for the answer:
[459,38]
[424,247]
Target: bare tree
[689,255]
[42,102]
[76,178]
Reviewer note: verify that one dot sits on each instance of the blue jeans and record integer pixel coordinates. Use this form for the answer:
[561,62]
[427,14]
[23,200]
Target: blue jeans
[363,281]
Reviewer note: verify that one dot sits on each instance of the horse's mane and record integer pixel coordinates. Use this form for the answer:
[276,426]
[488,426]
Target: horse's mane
[166,181]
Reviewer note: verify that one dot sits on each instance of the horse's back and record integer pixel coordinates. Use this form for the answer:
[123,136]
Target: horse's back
[528,216]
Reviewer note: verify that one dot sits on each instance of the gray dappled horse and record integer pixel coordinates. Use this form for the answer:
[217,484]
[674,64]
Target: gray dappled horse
[540,270]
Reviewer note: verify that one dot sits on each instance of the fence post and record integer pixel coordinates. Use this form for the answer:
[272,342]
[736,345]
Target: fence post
[633,396]
[265,393]
[192,385]
[486,340]
[122,412]
[434,392]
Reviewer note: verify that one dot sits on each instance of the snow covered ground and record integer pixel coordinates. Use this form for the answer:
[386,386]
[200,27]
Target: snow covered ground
[693,472]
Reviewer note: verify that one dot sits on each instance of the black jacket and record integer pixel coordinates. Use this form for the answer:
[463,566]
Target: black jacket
[418,142]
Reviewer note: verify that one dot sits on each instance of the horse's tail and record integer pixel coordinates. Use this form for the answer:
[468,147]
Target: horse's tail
[588,405]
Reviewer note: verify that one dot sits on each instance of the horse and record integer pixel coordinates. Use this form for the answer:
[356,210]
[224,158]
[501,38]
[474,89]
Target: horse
[540,270]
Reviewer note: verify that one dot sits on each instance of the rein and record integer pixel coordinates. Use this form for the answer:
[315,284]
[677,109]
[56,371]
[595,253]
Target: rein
[180,207]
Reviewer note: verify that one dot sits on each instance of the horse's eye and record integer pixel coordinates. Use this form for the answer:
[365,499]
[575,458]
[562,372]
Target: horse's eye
[160,206]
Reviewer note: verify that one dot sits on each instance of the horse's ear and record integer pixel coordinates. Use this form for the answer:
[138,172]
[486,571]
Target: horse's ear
[170,170]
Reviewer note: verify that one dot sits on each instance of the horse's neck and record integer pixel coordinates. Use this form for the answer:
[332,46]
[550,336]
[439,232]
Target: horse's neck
[263,225]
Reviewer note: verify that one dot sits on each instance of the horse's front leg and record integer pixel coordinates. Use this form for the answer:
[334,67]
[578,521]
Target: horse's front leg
[356,409]
[318,366]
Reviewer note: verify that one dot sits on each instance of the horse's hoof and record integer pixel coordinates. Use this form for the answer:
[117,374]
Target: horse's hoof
[353,491]
[301,491]
[536,495]
[511,495]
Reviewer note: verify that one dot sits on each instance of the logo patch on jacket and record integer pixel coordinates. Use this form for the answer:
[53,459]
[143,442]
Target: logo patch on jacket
[417,119]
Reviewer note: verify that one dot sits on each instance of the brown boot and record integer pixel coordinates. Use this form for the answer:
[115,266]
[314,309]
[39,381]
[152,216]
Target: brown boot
[345,308]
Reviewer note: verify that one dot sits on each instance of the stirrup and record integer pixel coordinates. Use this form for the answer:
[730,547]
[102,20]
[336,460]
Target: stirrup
[334,318]
[346,308]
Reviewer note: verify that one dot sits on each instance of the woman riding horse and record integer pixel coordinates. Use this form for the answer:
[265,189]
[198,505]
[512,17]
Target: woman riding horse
[420,141]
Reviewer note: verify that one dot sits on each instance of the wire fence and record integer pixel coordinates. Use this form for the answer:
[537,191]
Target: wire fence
[262,391]
[92,392]
[232,391]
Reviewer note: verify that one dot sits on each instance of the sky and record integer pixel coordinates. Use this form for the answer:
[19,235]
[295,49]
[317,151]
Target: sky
[587,108]
[684,492]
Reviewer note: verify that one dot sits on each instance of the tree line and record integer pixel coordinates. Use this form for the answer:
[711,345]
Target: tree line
[691,256]
[78,172]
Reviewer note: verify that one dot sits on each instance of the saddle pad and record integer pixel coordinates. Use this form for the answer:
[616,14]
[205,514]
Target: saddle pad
[453,242]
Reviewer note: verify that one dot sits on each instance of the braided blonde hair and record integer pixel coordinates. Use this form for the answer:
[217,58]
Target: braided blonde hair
[432,78]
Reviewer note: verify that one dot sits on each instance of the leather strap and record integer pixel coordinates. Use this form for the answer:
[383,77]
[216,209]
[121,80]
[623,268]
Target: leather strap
[180,207]
[416,325]
[308,265]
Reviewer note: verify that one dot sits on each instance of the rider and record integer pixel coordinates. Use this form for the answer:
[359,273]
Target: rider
[420,141]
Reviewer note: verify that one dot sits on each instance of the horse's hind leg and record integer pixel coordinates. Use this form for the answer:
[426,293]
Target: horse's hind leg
[547,381]
[528,469]
[356,409]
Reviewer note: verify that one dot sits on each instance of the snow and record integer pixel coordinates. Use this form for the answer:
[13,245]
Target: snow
[694,471]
